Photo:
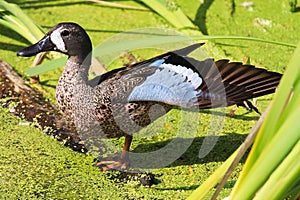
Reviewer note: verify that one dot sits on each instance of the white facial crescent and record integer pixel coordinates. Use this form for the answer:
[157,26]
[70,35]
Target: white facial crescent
[56,38]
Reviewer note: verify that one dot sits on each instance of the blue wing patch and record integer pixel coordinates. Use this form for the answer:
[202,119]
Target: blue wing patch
[157,62]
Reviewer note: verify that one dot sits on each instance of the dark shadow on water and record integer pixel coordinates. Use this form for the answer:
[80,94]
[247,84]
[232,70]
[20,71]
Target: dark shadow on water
[230,45]
[222,148]
[200,18]
[235,116]
[296,10]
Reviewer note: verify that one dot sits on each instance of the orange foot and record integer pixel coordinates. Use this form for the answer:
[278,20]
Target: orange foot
[111,165]
[120,165]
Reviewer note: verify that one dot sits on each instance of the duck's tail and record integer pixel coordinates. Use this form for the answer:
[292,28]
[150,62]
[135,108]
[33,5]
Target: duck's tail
[228,83]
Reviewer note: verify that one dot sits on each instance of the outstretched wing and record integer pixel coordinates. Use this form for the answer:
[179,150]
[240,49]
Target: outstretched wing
[175,79]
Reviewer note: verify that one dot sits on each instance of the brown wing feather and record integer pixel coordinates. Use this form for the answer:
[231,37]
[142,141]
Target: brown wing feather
[228,83]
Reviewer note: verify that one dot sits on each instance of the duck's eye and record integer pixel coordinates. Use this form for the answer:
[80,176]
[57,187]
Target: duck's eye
[65,33]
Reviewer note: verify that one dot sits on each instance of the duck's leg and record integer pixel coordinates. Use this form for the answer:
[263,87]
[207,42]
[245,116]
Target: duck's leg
[120,164]
[247,104]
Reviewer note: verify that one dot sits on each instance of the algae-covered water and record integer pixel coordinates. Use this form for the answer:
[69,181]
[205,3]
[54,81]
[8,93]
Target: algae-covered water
[35,166]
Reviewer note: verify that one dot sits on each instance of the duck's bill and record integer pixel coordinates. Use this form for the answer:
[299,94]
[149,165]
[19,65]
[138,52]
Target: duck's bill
[44,44]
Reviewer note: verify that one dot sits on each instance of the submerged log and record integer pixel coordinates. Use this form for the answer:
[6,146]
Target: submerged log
[30,105]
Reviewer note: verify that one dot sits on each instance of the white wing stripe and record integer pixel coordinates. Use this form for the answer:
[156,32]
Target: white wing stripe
[167,86]
[191,76]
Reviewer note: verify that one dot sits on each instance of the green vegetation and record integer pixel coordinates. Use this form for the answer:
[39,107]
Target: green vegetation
[276,148]
[33,165]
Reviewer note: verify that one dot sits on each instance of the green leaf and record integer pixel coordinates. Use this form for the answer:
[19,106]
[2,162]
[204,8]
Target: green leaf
[284,177]
[270,158]
[14,18]
[278,136]
[46,66]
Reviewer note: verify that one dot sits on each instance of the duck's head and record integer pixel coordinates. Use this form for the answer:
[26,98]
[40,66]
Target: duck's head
[68,38]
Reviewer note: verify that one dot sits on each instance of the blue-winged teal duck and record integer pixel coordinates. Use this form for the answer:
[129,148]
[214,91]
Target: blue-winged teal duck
[121,100]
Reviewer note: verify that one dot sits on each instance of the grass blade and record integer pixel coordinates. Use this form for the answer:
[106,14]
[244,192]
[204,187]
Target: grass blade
[170,12]
[287,174]
[211,37]
[118,5]
[121,46]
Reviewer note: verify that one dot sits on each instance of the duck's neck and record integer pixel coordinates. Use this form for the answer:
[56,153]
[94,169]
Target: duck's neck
[76,70]
[75,73]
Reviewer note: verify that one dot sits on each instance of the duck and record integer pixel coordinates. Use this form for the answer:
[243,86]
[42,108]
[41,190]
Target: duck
[118,105]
